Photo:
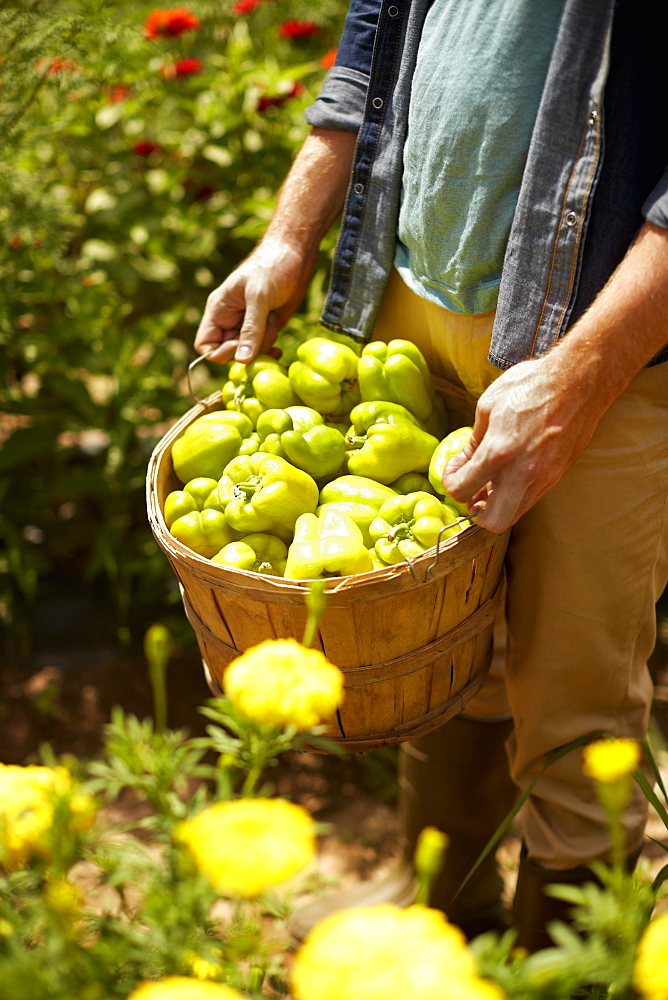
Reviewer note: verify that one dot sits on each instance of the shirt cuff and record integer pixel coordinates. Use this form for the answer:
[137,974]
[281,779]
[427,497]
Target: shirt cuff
[655,208]
[340,103]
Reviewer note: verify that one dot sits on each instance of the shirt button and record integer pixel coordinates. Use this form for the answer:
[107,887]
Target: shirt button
[571,219]
[359,189]
[392,11]
[377,102]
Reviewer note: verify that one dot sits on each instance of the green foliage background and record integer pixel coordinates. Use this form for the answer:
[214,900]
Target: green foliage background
[107,254]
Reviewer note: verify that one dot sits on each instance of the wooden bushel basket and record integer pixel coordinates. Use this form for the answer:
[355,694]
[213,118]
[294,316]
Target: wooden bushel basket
[414,642]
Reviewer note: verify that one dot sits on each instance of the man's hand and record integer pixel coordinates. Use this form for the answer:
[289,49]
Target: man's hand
[539,416]
[245,313]
[530,426]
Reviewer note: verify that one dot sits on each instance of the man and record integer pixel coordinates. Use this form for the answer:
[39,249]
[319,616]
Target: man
[506,206]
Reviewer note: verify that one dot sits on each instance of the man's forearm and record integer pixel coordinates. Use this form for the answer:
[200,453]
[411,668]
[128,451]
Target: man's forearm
[314,191]
[537,418]
[626,325]
[244,314]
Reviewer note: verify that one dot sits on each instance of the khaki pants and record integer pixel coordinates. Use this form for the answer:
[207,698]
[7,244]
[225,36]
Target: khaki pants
[585,568]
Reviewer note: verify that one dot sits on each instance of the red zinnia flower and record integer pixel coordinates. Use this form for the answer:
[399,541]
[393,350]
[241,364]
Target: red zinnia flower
[144,147]
[200,192]
[328,59]
[15,241]
[170,22]
[298,29]
[184,67]
[118,93]
[62,66]
[275,100]
[245,6]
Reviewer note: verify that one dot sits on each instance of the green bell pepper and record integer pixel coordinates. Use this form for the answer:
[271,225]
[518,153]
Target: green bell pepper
[361,513]
[324,546]
[299,434]
[273,423]
[251,444]
[447,449]
[254,387]
[194,496]
[412,482]
[209,443]
[391,447]
[290,418]
[320,451]
[356,489]
[397,372]
[257,553]
[267,494]
[365,414]
[289,340]
[325,376]
[205,531]
[409,525]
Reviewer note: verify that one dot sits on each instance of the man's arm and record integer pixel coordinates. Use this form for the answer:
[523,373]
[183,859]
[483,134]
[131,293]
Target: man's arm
[537,418]
[246,312]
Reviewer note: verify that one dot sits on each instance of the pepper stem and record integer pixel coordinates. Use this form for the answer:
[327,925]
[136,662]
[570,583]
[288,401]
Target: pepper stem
[315,605]
[356,440]
[246,490]
[243,392]
[402,530]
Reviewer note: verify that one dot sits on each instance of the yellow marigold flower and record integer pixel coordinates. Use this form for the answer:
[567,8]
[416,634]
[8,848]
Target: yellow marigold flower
[650,974]
[183,988]
[28,797]
[386,953]
[248,845]
[203,968]
[64,897]
[429,850]
[609,760]
[281,683]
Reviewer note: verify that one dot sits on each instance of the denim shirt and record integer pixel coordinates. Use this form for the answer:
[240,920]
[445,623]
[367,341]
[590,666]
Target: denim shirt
[565,240]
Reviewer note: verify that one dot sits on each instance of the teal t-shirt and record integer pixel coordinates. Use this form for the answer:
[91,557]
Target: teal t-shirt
[478,81]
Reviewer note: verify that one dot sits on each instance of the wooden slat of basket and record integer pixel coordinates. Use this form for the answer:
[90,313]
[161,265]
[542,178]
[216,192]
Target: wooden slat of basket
[394,667]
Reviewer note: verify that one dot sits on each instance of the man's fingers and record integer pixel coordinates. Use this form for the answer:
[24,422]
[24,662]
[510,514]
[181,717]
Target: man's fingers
[463,479]
[253,328]
[502,504]
[224,352]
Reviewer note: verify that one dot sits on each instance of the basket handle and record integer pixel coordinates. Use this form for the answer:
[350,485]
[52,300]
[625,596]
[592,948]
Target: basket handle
[200,357]
[468,518]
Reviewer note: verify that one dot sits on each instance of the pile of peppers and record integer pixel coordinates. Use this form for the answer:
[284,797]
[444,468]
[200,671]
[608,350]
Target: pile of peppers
[330,465]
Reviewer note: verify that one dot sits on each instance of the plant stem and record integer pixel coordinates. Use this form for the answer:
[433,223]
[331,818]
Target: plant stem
[315,603]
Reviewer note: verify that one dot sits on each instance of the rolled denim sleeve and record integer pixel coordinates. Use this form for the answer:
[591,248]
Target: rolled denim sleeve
[340,103]
[655,208]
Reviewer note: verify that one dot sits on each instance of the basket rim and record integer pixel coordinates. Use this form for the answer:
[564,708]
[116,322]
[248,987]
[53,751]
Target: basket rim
[428,566]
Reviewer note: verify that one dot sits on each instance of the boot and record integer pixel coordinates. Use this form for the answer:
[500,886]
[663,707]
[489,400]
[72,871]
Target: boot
[455,779]
[533,910]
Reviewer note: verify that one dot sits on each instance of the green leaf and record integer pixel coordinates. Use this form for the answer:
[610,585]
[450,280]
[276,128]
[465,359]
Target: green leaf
[156,269]
[95,249]
[219,155]
[505,824]
[26,444]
